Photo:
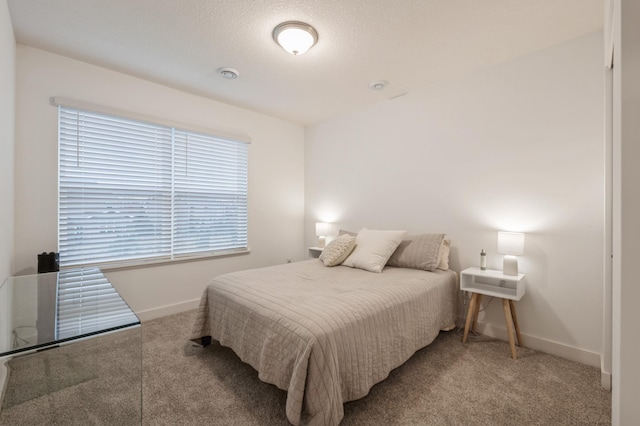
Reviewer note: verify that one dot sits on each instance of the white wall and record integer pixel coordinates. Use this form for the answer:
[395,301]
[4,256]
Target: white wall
[7,109]
[518,146]
[626,211]
[276,164]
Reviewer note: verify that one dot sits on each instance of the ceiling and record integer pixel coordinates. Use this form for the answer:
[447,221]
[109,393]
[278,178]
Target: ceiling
[409,43]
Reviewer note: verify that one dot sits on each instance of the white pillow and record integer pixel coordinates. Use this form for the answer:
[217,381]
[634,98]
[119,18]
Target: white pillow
[373,249]
[337,250]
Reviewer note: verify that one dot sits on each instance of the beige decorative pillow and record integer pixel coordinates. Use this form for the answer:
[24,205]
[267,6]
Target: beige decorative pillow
[337,250]
[373,248]
[418,252]
[443,255]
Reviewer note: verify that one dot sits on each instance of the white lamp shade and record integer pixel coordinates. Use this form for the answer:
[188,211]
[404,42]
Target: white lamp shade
[511,243]
[322,229]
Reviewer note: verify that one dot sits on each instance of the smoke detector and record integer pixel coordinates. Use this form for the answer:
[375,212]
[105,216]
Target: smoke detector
[378,85]
[228,73]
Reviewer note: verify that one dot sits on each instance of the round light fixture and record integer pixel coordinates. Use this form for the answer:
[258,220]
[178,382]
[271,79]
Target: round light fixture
[295,37]
[228,73]
[378,85]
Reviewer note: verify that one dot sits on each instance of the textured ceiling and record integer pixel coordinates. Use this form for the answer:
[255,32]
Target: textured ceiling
[410,43]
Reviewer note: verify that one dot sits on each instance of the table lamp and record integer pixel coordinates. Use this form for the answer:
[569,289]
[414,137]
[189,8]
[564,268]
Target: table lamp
[511,244]
[322,230]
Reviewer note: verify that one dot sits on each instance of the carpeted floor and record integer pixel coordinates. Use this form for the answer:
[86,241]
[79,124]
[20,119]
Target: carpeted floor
[90,382]
[446,383]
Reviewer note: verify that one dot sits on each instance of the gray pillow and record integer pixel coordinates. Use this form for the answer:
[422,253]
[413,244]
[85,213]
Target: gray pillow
[344,231]
[418,252]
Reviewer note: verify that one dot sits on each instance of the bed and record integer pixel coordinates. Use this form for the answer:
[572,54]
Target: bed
[325,335]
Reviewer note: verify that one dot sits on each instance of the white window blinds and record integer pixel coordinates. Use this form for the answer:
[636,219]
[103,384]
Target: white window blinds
[135,191]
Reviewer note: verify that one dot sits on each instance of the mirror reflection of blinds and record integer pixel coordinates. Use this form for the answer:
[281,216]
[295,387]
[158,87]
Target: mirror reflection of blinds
[88,303]
[135,191]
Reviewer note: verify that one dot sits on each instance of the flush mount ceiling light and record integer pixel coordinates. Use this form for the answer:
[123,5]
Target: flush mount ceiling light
[228,73]
[295,37]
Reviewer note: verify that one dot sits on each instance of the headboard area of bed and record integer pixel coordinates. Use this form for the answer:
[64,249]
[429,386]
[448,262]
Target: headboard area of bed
[372,250]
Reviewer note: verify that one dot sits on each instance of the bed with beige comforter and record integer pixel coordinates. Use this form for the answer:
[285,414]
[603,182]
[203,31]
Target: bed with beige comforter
[326,335]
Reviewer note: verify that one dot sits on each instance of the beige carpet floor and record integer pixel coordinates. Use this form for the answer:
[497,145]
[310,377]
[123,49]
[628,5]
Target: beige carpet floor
[446,383]
[90,382]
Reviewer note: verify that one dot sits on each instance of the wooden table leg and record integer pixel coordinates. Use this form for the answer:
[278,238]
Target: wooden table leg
[470,313]
[509,320]
[512,305]
[476,311]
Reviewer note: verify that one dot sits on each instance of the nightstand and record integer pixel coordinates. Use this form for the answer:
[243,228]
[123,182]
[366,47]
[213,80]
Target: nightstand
[315,251]
[509,288]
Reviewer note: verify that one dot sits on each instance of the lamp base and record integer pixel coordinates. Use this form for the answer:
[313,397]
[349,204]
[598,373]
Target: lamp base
[510,265]
[321,242]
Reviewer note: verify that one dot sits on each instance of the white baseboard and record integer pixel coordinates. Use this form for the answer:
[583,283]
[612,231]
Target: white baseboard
[605,380]
[543,345]
[162,311]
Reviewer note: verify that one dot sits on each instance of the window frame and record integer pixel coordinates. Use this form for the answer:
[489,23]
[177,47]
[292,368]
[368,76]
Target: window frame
[174,127]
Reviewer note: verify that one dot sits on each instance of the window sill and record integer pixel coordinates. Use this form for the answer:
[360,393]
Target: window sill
[136,264]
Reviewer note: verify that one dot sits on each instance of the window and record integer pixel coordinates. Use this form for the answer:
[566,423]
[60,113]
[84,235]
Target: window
[133,191]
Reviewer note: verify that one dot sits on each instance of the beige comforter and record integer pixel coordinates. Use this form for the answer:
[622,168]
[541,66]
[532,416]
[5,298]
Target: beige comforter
[325,335]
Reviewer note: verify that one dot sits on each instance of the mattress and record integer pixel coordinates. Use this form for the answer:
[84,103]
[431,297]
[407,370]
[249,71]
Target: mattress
[325,335]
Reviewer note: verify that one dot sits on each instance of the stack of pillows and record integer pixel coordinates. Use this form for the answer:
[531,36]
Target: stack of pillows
[372,249]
